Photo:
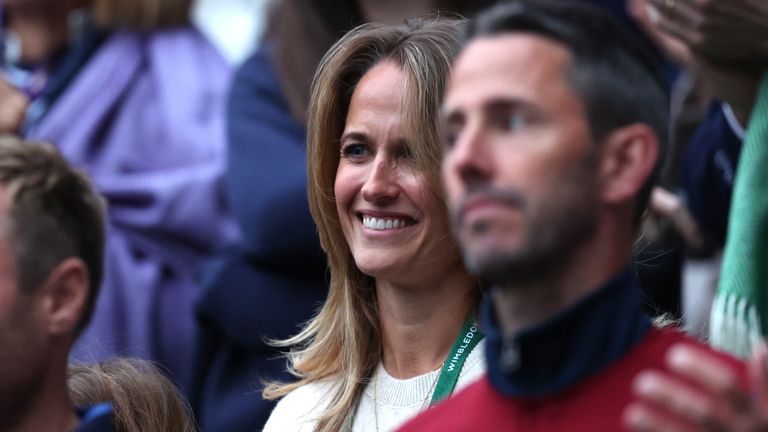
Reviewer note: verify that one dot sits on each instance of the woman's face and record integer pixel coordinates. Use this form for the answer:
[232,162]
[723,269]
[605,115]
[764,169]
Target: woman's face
[396,227]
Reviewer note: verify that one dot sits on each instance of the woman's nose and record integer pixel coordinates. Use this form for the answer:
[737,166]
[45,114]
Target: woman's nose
[381,183]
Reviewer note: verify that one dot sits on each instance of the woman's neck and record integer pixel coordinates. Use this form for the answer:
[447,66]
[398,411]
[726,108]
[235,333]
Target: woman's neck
[419,323]
[42,28]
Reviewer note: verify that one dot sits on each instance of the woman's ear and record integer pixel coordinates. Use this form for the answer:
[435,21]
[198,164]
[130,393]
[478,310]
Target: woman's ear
[65,297]
[629,155]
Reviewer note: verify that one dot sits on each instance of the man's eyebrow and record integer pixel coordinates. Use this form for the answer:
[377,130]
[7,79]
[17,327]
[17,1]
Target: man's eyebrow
[505,103]
[455,115]
[451,116]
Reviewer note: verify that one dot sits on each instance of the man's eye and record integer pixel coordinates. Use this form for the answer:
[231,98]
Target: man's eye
[516,121]
[450,135]
[354,151]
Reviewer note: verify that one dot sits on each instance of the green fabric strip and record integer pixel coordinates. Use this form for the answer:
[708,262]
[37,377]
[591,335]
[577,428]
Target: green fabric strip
[740,311]
[468,338]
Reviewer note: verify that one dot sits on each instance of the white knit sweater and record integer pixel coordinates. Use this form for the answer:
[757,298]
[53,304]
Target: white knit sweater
[395,401]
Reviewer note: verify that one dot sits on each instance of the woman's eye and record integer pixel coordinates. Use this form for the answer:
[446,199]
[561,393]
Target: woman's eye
[449,138]
[354,151]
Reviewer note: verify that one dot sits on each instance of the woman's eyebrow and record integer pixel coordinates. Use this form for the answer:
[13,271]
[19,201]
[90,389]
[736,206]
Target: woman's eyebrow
[354,136]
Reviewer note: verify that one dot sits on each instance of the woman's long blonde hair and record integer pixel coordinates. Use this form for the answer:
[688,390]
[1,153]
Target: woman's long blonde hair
[343,341]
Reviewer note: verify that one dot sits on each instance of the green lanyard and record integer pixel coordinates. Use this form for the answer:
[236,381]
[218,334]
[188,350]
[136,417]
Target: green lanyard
[468,338]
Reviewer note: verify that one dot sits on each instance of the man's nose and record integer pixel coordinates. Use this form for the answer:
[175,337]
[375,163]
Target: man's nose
[470,158]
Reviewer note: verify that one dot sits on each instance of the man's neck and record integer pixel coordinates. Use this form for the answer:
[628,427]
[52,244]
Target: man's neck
[420,324]
[50,419]
[51,410]
[570,278]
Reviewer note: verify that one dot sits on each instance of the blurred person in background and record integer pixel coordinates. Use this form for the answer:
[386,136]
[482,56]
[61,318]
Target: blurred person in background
[705,142]
[727,43]
[272,282]
[52,227]
[397,332]
[143,399]
[133,95]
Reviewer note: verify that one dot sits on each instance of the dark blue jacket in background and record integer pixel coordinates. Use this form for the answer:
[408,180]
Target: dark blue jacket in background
[708,171]
[272,282]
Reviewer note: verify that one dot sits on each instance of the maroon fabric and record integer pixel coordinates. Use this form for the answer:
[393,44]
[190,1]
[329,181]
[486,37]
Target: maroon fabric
[596,404]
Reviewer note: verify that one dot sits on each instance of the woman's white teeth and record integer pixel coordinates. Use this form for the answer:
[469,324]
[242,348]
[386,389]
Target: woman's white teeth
[382,223]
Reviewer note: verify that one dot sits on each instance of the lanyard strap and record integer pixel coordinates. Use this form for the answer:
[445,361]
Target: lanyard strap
[468,338]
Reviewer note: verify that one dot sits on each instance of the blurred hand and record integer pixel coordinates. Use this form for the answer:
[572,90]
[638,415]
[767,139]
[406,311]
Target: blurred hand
[719,29]
[13,107]
[668,206]
[675,49]
[726,42]
[714,402]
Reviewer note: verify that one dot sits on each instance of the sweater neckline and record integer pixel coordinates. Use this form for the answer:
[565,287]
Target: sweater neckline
[408,392]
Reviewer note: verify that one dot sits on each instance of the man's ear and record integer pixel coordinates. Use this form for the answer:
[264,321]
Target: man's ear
[629,155]
[66,295]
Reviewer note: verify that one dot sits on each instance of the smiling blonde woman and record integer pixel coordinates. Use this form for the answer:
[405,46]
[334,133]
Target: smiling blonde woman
[396,333]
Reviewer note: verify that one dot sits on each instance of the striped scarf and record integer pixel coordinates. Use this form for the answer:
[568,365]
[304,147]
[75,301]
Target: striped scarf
[740,309]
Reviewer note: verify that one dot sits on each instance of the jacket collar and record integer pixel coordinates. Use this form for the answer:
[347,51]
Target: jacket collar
[569,347]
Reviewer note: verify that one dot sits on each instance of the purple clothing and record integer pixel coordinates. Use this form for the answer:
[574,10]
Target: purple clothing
[144,117]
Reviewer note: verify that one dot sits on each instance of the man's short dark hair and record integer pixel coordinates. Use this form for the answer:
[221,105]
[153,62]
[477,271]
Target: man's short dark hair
[613,72]
[53,214]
